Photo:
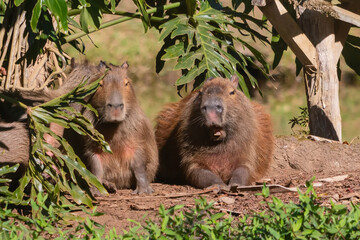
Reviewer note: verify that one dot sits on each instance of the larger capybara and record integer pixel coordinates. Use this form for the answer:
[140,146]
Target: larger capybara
[134,159]
[215,135]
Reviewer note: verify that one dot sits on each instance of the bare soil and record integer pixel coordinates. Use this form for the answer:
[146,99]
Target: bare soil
[296,160]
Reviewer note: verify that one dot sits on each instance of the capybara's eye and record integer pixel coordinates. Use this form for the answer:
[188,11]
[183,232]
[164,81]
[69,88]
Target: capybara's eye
[126,83]
[232,92]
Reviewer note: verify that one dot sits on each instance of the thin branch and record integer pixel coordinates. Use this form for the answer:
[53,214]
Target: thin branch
[5,49]
[210,190]
[74,12]
[4,52]
[18,54]
[13,100]
[3,28]
[117,21]
[36,71]
[12,55]
[24,62]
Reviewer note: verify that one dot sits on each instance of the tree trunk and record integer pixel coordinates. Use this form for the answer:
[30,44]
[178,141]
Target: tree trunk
[322,86]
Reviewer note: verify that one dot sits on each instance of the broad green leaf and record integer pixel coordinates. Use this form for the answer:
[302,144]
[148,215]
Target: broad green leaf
[18,2]
[141,4]
[243,84]
[113,5]
[297,225]
[173,51]
[278,46]
[36,12]
[181,29]
[59,9]
[85,19]
[351,53]
[190,7]
[172,24]
[217,216]
[9,169]
[5,180]
[79,195]
[194,72]
[257,54]
[188,60]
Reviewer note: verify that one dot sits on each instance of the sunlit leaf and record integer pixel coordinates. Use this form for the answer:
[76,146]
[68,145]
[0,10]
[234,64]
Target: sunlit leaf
[141,4]
[58,9]
[36,12]
[18,2]
[174,51]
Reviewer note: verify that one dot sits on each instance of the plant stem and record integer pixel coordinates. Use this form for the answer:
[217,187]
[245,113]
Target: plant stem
[13,100]
[115,21]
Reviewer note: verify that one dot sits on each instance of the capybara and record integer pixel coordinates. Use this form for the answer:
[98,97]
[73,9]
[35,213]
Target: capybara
[215,135]
[125,127]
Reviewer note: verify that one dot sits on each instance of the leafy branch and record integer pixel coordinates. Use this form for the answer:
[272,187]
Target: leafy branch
[62,171]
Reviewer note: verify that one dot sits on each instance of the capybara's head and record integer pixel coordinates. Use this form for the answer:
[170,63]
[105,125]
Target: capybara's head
[217,96]
[114,96]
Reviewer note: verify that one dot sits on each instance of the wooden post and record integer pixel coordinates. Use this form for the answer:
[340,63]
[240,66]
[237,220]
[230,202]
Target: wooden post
[320,62]
[322,86]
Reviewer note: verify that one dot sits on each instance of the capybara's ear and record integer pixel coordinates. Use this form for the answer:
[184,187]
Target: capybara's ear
[73,63]
[125,65]
[208,79]
[234,81]
[102,65]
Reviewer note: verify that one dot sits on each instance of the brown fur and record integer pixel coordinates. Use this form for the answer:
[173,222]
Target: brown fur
[14,148]
[134,161]
[234,147]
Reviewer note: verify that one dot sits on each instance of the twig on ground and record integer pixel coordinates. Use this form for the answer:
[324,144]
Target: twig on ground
[152,197]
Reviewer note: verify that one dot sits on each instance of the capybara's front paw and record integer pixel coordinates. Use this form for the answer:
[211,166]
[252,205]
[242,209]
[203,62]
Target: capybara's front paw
[110,187]
[143,190]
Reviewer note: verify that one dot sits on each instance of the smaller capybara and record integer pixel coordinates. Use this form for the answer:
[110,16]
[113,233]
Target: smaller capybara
[215,135]
[124,125]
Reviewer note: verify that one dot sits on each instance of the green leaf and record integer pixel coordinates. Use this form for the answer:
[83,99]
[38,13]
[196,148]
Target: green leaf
[113,5]
[84,15]
[36,12]
[141,4]
[265,191]
[351,53]
[190,7]
[278,46]
[9,169]
[18,2]
[172,24]
[173,51]
[299,66]
[58,9]
[188,60]
[90,16]
[195,71]
[297,225]
[181,29]
[217,216]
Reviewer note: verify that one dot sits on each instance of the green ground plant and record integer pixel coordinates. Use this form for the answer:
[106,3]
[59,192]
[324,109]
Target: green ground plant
[306,218]
[300,123]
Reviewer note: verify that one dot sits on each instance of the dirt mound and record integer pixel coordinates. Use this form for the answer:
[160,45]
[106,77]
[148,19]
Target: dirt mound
[310,156]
